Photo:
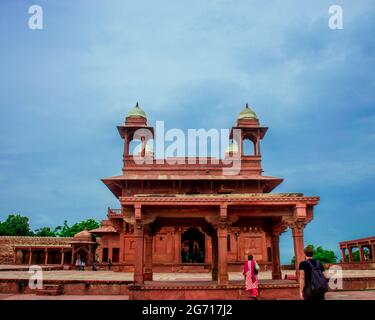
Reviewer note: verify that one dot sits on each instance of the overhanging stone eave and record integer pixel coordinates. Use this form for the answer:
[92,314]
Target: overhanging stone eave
[113,185]
[136,176]
[210,200]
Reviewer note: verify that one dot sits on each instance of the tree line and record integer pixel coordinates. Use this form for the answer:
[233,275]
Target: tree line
[18,225]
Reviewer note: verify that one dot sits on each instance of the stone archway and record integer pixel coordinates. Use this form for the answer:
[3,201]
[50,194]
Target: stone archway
[54,257]
[38,257]
[192,246]
[82,254]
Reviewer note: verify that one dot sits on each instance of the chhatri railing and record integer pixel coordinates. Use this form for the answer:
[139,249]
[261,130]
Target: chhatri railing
[114,212]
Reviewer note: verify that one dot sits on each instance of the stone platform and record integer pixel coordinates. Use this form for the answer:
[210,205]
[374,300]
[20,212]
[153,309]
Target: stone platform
[169,285]
[15,267]
[208,290]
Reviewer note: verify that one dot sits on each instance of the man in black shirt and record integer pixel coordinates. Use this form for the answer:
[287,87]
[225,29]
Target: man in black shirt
[305,276]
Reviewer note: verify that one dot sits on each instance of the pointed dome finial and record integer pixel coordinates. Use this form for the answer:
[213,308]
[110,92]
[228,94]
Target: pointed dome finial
[247,113]
[136,112]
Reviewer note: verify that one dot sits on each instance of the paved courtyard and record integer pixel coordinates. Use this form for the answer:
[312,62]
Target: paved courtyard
[128,276]
[343,295]
[118,276]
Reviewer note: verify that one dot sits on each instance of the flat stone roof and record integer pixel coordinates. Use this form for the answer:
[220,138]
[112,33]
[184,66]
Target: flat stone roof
[225,195]
[355,241]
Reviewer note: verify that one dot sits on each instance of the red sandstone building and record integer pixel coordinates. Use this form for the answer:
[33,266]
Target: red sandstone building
[182,215]
[360,244]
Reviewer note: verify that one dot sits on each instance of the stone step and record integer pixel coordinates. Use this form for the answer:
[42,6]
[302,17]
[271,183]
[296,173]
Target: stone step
[50,290]
[193,269]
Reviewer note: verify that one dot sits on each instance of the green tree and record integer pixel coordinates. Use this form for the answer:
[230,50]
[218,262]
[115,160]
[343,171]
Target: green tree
[44,232]
[321,254]
[62,231]
[66,231]
[15,225]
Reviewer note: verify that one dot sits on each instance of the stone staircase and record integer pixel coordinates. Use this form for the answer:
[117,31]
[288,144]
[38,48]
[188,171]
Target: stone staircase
[191,268]
[50,290]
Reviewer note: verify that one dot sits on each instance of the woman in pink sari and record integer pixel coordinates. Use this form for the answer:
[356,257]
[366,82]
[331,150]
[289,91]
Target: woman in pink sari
[250,277]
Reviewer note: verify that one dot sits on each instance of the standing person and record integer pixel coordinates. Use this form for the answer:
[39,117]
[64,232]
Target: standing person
[109,264]
[78,264]
[250,271]
[312,282]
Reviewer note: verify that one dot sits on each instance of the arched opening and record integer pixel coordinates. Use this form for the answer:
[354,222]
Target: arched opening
[67,257]
[82,255]
[367,254]
[25,256]
[355,254]
[54,257]
[135,147]
[248,148]
[192,246]
[38,257]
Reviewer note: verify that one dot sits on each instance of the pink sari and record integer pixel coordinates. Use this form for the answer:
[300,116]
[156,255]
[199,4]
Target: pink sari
[251,278]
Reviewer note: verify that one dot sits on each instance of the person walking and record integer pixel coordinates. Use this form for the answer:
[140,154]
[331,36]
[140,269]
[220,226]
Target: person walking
[250,271]
[312,282]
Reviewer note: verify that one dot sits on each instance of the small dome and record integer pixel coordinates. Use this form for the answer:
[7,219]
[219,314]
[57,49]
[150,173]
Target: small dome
[136,112]
[83,236]
[247,113]
[231,148]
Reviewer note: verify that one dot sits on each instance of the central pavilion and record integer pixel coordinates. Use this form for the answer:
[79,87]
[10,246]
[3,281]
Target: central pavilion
[181,215]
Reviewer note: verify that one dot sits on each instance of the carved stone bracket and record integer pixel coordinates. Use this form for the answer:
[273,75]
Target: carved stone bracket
[297,228]
[138,225]
[129,219]
[278,229]
[213,220]
[137,212]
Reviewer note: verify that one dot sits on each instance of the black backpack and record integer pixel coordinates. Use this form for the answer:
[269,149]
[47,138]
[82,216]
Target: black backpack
[318,283]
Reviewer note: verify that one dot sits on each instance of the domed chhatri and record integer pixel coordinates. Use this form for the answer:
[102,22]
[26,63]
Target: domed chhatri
[136,112]
[247,113]
[84,235]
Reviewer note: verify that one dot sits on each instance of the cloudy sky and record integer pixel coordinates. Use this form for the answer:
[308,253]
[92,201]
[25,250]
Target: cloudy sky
[193,64]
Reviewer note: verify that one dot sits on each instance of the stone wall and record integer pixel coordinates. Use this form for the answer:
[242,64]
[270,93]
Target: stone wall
[7,244]
[365,265]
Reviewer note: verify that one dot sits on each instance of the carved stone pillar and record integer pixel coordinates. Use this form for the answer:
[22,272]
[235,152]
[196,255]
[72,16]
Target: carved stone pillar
[361,253]
[177,246]
[297,232]
[343,255]
[139,247]
[45,256]
[30,256]
[350,253]
[148,274]
[62,256]
[15,256]
[222,234]
[214,246]
[276,269]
